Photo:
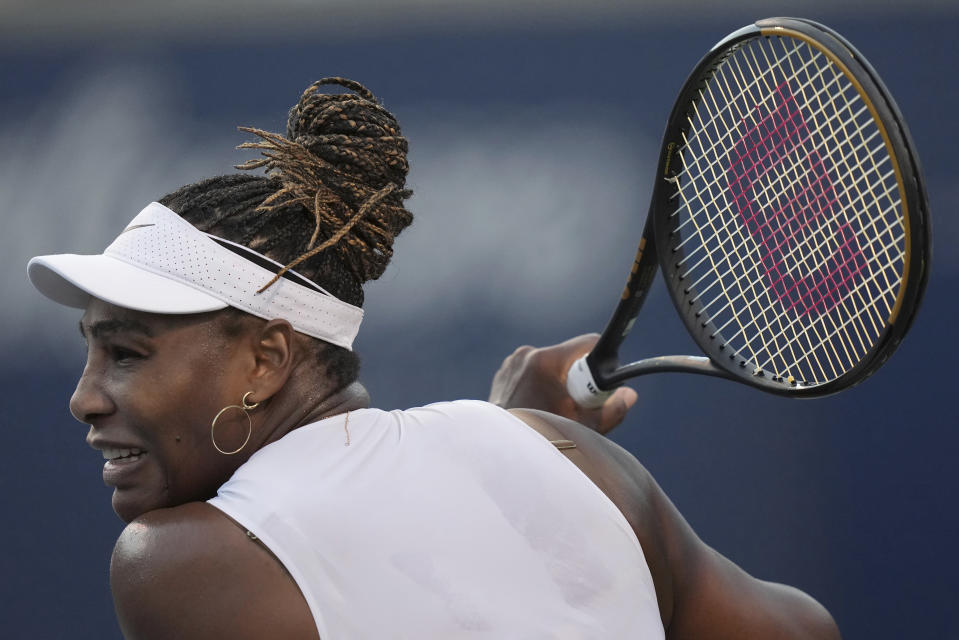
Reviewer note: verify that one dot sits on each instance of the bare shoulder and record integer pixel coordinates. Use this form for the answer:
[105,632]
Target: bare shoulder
[701,593]
[191,572]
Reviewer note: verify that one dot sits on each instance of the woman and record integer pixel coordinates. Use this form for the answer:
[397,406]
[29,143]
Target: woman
[266,500]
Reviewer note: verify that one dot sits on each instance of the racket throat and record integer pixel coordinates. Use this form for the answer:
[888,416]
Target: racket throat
[590,385]
[665,364]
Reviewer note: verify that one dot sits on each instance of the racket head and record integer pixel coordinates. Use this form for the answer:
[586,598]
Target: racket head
[790,214]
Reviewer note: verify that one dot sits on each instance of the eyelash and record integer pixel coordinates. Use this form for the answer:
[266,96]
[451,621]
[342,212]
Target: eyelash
[122,354]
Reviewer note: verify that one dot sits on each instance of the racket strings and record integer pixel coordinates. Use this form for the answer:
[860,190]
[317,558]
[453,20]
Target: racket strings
[720,157]
[743,249]
[726,132]
[803,333]
[753,292]
[850,304]
[764,164]
[847,168]
[716,165]
[815,164]
[850,320]
[832,124]
[711,205]
[789,212]
[792,340]
[854,327]
[743,242]
[707,205]
[718,177]
[784,311]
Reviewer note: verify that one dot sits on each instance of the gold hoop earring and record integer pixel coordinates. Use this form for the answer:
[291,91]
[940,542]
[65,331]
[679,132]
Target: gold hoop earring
[245,407]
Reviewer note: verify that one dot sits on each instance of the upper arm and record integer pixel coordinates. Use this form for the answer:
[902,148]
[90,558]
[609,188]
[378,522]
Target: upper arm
[701,594]
[190,572]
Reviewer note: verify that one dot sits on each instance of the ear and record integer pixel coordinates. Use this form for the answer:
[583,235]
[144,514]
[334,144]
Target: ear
[273,348]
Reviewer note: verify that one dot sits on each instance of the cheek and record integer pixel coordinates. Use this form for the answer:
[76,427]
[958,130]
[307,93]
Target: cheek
[190,387]
[188,395]
[194,468]
[188,466]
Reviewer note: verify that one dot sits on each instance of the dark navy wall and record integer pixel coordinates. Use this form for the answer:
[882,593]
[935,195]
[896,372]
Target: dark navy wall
[852,498]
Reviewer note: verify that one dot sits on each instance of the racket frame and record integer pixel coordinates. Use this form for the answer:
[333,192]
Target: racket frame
[602,364]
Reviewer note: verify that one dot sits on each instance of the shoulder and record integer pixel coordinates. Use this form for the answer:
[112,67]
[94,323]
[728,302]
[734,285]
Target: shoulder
[613,469]
[625,481]
[183,572]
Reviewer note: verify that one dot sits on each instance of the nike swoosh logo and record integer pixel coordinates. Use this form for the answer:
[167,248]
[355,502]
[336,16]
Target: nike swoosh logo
[137,226]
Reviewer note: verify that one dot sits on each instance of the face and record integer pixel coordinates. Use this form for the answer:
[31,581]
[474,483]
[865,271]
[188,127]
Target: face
[149,391]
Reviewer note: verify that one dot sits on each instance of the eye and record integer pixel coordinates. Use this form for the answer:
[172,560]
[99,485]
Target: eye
[122,355]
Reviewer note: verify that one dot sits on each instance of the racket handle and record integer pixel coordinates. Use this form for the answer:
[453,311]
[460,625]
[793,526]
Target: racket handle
[583,388]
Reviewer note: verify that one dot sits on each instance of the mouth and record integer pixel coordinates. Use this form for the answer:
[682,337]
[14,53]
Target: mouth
[123,466]
[120,456]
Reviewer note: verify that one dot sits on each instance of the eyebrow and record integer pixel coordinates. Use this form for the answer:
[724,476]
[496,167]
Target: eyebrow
[98,329]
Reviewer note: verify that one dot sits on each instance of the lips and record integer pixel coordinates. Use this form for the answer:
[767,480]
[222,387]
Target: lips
[117,454]
[123,465]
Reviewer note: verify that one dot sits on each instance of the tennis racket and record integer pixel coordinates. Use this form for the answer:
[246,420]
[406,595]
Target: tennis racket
[788,216]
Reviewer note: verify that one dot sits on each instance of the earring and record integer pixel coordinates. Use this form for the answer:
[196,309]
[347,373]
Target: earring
[245,407]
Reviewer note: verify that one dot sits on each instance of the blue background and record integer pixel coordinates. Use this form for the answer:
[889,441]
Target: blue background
[851,498]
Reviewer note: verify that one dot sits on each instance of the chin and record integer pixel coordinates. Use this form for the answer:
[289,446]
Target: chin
[129,507]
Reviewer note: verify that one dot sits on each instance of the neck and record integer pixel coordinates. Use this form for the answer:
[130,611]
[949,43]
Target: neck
[296,410]
[349,398]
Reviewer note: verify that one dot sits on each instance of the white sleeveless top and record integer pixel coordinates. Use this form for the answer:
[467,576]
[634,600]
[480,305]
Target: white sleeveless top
[455,520]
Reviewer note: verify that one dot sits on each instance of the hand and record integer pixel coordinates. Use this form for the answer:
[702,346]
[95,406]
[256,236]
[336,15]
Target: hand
[534,378]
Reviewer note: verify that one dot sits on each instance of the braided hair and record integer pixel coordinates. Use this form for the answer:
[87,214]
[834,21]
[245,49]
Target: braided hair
[330,204]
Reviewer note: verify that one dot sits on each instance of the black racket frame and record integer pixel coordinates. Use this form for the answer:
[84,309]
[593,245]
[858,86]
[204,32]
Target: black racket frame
[722,361]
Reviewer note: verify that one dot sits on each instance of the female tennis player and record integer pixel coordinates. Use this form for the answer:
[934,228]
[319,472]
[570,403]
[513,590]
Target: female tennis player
[266,499]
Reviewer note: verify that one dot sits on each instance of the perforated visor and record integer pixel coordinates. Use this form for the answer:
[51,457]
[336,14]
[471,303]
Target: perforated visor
[72,280]
[162,264]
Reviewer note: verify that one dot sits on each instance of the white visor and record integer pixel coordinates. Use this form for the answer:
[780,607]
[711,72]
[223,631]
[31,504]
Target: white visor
[163,264]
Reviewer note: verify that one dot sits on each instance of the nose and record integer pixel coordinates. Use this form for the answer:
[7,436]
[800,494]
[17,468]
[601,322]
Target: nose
[89,399]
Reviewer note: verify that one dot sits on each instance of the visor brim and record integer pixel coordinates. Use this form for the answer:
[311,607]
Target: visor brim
[72,280]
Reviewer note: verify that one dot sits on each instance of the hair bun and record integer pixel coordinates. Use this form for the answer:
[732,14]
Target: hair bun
[344,161]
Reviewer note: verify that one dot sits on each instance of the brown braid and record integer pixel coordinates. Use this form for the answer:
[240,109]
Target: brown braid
[332,201]
[336,237]
[343,160]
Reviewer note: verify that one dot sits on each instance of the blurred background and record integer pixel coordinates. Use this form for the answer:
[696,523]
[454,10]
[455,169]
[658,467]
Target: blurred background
[534,129]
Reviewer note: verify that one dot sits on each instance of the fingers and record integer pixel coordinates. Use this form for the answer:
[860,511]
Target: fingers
[520,351]
[587,339]
[552,358]
[628,396]
[535,378]
[615,408]
[578,346]
[559,358]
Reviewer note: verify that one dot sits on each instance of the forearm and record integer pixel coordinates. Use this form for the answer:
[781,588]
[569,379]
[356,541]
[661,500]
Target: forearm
[799,614]
[726,603]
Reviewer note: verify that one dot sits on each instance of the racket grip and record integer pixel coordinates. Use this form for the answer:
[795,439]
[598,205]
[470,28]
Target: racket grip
[583,388]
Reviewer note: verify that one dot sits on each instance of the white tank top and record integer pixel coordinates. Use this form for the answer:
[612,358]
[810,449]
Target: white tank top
[455,520]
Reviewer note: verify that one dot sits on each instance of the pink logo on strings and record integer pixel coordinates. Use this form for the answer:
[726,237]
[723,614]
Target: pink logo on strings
[794,216]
